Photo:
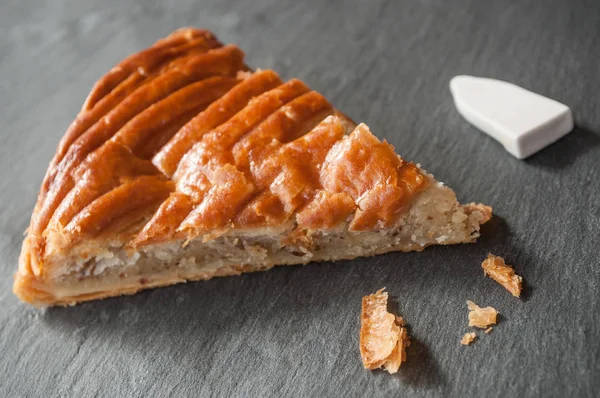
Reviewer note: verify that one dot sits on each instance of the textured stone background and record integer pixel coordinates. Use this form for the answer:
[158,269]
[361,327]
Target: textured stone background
[294,331]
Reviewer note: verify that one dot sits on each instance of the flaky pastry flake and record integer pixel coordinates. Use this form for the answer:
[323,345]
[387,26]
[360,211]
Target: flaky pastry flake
[481,317]
[468,338]
[495,267]
[383,337]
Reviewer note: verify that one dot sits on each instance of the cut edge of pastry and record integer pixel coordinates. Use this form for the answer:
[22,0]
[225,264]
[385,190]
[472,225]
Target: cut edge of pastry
[383,337]
[98,269]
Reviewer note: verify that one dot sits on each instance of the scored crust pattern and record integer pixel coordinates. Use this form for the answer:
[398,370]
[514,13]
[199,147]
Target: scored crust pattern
[182,140]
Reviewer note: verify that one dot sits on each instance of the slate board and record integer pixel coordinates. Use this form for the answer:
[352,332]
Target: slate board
[294,331]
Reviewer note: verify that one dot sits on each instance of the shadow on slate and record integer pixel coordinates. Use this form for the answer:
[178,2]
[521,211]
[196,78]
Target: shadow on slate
[421,369]
[566,150]
[200,308]
[496,239]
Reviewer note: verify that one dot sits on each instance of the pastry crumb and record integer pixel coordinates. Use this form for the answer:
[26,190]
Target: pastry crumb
[495,267]
[468,338]
[383,339]
[481,317]
[488,330]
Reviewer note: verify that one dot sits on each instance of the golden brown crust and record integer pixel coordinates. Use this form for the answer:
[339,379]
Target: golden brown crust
[181,41]
[257,152]
[369,171]
[167,158]
[133,105]
[141,89]
[383,339]
[495,267]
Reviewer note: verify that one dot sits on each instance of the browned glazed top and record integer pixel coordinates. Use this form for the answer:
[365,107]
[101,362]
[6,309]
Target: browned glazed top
[181,140]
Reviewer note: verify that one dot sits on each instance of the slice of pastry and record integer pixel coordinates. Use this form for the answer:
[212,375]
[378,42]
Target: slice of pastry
[184,165]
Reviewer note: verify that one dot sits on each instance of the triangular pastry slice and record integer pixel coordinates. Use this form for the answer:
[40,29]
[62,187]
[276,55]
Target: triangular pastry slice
[184,165]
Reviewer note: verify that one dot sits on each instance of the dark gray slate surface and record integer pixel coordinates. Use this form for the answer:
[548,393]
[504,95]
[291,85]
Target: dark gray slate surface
[294,331]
